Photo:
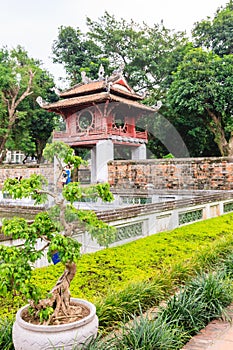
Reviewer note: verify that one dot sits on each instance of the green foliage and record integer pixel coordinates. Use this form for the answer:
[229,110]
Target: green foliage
[44,314]
[25,125]
[64,153]
[203,299]
[77,53]
[145,51]
[16,273]
[140,260]
[216,34]
[198,101]
[27,187]
[125,280]
[144,334]
[104,192]
[151,56]
[101,231]
[214,290]
[16,262]
[121,304]
[201,87]
[68,248]
[146,270]
[56,148]
[6,342]
[74,192]
[168,156]
[50,228]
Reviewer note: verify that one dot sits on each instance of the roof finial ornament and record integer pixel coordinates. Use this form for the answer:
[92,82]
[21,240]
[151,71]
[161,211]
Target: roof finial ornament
[85,79]
[40,101]
[101,72]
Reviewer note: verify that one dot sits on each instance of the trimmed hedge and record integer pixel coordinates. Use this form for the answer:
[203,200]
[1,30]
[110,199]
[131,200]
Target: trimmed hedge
[163,260]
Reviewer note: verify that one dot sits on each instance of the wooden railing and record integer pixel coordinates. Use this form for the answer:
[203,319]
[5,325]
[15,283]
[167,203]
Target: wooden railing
[92,132]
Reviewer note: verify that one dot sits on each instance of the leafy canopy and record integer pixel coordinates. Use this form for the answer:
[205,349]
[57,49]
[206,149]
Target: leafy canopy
[202,88]
[24,125]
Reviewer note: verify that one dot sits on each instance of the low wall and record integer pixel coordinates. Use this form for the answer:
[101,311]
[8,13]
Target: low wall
[17,170]
[138,221]
[186,173]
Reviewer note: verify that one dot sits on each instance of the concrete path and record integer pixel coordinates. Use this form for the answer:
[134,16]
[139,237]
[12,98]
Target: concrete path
[218,335]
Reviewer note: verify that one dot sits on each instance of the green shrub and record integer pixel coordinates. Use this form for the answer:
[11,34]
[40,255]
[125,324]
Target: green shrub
[214,290]
[6,334]
[120,305]
[146,334]
[174,252]
[203,299]
[184,310]
[227,264]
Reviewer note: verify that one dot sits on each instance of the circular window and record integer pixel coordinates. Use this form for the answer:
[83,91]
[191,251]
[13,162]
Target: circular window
[84,120]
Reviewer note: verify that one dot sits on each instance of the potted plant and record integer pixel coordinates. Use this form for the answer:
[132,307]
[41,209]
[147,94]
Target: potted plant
[56,320]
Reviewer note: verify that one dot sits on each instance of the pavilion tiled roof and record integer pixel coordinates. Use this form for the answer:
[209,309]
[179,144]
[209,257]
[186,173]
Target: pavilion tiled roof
[89,92]
[88,100]
[81,89]
[117,85]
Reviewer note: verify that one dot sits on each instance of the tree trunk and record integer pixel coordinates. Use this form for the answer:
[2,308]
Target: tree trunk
[60,295]
[39,150]
[12,103]
[219,134]
[230,143]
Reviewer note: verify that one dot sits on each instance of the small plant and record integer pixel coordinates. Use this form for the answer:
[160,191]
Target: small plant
[134,298]
[202,299]
[53,231]
[146,334]
[214,290]
[6,334]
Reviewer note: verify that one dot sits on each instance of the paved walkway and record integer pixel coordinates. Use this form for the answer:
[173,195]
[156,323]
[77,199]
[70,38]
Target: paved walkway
[218,335]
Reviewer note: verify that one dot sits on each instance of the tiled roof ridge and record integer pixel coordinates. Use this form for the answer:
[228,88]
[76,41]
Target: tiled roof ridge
[103,83]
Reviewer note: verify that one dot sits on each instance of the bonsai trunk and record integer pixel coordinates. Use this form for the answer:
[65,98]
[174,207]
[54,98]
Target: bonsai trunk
[59,298]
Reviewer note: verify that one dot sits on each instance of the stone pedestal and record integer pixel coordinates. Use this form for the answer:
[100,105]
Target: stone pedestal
[139,152]
[101,154]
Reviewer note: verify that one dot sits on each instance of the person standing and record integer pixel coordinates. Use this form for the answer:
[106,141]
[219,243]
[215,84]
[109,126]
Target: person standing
[68,174]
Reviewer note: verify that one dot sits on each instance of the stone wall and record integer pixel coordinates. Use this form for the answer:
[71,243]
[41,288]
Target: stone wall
[186,173]
[13,170]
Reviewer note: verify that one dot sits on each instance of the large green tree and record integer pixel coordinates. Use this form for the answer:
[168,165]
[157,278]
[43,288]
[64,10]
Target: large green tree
[143,51]
[216,34]
[22,123]
[201,91]
[199,130]
[77,53]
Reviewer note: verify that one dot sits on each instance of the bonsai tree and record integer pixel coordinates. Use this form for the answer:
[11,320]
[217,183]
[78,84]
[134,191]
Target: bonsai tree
[51,232]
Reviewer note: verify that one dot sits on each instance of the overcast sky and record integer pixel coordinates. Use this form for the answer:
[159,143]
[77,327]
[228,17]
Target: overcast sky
[34,24]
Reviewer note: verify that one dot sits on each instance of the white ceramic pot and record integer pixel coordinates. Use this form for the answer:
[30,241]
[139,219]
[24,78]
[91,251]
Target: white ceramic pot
[28,336]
